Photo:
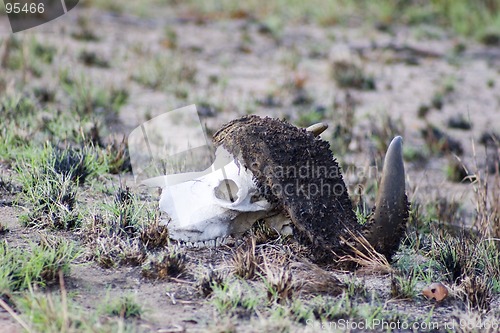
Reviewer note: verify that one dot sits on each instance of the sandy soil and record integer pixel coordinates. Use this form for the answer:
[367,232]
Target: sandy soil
[409,66]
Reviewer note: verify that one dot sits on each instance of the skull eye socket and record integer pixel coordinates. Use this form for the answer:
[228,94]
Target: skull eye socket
[227,190]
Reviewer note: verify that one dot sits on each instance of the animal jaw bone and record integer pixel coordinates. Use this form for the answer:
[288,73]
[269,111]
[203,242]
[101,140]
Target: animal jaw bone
[261,151]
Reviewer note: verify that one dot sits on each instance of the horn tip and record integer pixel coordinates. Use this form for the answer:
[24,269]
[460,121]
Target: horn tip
[317,128]
[397,140]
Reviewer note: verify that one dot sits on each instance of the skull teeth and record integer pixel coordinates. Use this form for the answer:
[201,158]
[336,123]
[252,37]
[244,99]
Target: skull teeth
[212,243]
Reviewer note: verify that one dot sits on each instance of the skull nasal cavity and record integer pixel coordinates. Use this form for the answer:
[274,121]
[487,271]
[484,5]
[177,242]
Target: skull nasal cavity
[227,190]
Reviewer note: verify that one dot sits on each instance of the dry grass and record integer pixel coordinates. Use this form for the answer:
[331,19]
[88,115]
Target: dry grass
[164,266]
[312,279]
[487,194]
[476,291]
[263,233]
[244,262]
[278,280]
[365,256]
[212,279]
[154,236]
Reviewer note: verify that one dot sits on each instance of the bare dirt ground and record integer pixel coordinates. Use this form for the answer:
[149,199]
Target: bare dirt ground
[240,68]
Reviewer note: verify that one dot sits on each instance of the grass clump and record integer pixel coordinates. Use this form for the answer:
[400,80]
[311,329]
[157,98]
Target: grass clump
[355,289]
[167,73]
[113,251]
[125,307]
[172,264]
[37,265]
[235,299]
[212,279]
[124,231]
[75,164]
[263,233]
[117,156]
[50,180]
[472,263]
[454,255]
[52,203]
[350,75]
[279,284]
[154,236]
[459,121]
[403,287]
[122,219]
[45,312]
[477,291]
[87,99]
[89,58]
[244,262]
[124,209]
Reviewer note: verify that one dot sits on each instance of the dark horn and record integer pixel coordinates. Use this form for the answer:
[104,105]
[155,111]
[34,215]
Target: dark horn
[388,223]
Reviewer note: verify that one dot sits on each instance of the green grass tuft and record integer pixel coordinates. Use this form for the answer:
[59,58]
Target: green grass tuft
[125,307]
[50,179]
[38,265]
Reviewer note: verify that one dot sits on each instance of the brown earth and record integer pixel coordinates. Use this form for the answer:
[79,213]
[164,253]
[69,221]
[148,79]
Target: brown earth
[409,66]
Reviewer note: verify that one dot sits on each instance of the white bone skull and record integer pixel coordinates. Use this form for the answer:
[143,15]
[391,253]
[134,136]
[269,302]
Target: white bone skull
[215,204]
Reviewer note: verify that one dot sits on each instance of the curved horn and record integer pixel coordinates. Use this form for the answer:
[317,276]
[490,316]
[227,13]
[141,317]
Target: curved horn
[388,222]
[317,129]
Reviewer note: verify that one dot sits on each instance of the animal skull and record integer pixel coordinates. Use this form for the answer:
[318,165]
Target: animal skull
[220,203]
[227,198]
